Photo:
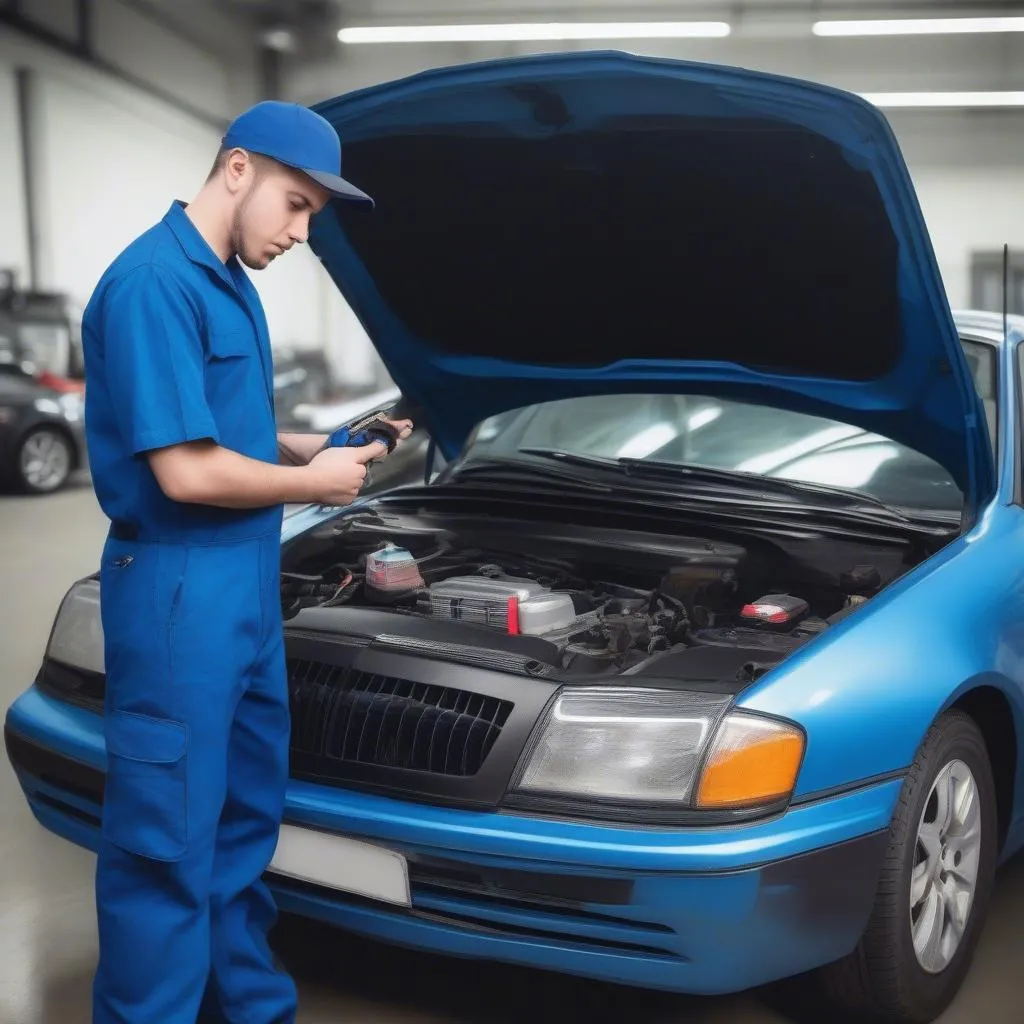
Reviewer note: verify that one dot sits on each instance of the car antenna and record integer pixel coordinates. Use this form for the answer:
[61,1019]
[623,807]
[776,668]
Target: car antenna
[1006,292]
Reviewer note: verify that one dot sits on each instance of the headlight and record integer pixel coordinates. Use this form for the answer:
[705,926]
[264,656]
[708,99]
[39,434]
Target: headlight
[662,749]
[69,405]
[77,636]
[72,405]
[50,406]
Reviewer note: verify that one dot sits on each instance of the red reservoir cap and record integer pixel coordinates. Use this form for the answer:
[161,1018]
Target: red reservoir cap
[776,609]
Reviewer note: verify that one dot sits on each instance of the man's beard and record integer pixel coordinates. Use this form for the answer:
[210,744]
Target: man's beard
[238,234]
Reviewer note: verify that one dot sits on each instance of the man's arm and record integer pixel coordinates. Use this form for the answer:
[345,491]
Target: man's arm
[204,473]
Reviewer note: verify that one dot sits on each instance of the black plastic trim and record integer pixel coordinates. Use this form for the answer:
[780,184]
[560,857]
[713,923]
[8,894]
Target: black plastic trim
[55,769]
[544,935]
[545,889]
[77,686]
[68,809]
[850,787]
[621,815]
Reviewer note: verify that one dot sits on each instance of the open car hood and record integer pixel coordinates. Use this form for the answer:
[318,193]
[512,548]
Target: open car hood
[598,222]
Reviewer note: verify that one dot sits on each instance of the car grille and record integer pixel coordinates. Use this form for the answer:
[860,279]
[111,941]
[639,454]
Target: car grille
[342,716]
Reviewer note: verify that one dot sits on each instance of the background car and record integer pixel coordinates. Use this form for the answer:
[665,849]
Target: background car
[42,433]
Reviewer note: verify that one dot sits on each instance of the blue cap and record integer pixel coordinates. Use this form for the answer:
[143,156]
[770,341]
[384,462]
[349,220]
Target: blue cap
[297,137]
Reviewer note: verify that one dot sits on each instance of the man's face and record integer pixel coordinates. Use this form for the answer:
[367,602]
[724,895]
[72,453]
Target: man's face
[273,212]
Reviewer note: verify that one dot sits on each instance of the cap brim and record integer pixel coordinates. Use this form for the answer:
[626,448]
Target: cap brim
[338,186]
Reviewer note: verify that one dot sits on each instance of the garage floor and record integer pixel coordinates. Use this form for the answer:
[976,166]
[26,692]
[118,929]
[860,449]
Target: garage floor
[47,935]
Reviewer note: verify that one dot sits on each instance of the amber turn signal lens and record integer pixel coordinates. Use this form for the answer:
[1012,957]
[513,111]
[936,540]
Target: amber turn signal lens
[753,761]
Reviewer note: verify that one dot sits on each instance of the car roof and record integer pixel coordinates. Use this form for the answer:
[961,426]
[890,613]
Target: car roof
[988,326]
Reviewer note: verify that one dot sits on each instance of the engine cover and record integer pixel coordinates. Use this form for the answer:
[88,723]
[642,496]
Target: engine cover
[507,603]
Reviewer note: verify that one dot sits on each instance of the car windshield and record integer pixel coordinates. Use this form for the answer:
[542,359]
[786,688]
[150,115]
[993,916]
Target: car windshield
[717,434]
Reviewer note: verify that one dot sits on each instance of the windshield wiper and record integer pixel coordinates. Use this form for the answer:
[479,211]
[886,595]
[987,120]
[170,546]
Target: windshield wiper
[775,484]
[500,469]
[734,479]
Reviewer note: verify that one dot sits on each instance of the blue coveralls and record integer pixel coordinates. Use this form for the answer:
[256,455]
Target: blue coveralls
[197,722]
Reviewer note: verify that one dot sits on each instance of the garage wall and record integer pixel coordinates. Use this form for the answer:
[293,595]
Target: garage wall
[110,158]
[968,169]
[110,169]
[109,165]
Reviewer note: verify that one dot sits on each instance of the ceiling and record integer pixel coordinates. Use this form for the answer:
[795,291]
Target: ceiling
[423,11]
[771,35]
[312,21]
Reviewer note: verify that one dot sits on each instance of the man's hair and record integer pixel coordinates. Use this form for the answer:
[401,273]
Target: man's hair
[261,164]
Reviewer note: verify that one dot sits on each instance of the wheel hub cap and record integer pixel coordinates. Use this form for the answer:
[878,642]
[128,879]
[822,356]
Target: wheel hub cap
[44,460]
[946,860]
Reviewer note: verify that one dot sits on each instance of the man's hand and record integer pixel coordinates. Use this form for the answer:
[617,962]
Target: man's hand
[299,449]
[338,473]
[402,427]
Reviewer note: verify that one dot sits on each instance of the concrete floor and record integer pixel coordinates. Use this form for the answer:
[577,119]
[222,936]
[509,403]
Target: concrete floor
[47,935]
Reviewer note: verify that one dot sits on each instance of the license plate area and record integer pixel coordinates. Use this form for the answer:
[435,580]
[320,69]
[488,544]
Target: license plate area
[343,864]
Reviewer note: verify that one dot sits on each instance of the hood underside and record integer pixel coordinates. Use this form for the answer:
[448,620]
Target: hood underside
[598,223]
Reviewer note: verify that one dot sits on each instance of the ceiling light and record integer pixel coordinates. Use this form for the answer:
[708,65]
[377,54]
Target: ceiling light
[962,100]
[917,26]
[532,31]
[280,39]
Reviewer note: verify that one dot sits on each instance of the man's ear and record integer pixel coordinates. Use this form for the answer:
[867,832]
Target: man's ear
[237,169]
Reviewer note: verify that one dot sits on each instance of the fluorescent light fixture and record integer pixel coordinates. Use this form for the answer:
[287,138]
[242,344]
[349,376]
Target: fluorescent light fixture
[940,100]
[650,440]
[918,26]
[533,31]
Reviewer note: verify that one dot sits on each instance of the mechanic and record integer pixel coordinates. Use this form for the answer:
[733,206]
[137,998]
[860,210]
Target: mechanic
[188,467]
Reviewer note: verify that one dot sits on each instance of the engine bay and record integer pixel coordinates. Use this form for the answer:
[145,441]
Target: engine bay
[584,601]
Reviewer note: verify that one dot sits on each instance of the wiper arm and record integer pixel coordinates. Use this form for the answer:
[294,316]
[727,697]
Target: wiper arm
[765,484]
[499,468]
[738,480]
[572,458]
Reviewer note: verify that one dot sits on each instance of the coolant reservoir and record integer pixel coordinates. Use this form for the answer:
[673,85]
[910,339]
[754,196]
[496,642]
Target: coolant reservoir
[392,571]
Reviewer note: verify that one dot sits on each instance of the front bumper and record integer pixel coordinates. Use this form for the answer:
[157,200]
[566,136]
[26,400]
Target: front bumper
[704,911]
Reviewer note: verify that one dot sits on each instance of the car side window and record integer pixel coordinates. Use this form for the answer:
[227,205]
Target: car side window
[982,362]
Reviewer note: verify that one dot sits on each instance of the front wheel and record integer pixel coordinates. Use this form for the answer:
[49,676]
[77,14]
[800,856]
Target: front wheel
[44,461]
[934,889]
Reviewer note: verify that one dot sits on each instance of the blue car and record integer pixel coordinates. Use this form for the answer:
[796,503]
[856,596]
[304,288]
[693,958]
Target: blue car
[694,659]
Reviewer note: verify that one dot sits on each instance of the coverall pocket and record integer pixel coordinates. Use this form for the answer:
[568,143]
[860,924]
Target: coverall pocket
[231,344]
[145,808]
[233,375]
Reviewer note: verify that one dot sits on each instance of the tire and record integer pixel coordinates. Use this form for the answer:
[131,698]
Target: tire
[884,979]
[44,460]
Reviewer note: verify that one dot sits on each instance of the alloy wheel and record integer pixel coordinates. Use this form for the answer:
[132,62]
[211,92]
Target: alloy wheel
[44,460]
[946,861]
